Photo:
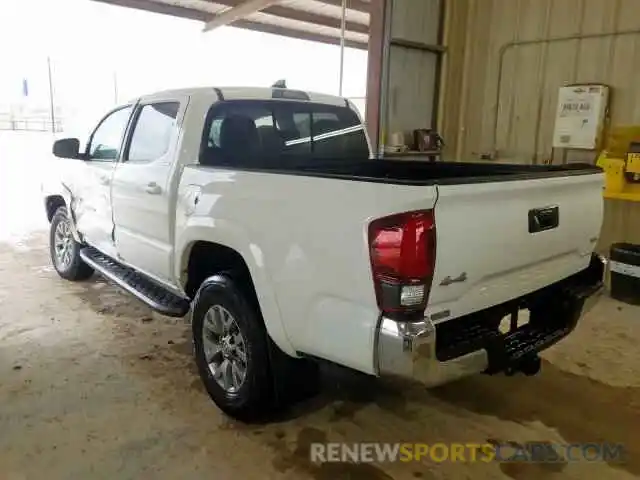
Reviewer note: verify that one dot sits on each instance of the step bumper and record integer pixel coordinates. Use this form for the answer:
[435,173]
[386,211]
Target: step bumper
[410,350]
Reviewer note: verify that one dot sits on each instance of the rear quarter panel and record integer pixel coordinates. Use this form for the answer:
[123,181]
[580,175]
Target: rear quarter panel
[304,240]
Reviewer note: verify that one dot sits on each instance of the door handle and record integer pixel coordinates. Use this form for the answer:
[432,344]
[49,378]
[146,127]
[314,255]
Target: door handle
[153,188]
[104,180]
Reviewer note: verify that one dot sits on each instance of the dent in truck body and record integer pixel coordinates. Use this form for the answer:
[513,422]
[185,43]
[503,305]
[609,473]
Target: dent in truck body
[58,196]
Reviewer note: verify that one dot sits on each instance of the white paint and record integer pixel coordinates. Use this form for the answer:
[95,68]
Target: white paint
[304,239]
[482,230]
[143,196]
[580,116]
[625,269]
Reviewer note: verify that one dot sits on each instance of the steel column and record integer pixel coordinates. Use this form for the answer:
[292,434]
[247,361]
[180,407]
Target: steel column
[375,66]
[343,27]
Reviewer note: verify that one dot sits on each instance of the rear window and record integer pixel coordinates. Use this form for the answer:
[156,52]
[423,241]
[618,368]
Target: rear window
[248,133]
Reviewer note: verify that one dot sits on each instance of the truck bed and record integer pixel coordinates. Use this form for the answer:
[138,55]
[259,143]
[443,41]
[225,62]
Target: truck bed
[527,222]
[419,172]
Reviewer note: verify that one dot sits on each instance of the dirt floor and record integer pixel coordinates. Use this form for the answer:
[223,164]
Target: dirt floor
[93,385]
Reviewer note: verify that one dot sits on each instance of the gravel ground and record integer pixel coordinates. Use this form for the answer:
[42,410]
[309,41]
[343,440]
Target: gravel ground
[94,385]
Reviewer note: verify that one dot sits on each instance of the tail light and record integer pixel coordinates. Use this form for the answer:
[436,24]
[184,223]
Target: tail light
[403,253]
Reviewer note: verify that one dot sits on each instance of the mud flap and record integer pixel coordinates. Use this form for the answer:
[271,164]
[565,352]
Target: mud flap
[294,379]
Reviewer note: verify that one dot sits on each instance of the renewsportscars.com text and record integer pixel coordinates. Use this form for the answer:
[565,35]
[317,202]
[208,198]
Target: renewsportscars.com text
[535,452]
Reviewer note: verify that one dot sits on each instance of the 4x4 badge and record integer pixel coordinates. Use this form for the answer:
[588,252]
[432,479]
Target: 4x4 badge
[459,279]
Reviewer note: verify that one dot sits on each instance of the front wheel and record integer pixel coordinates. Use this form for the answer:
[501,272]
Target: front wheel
[65,250]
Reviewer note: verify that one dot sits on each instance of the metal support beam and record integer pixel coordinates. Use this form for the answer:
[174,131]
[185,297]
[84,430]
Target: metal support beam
[161,8]
[424,47]
[435,120]
[304,16]
[183,12]
[238,13]
[299,34]
[359,5]
[375,63]
[343,26]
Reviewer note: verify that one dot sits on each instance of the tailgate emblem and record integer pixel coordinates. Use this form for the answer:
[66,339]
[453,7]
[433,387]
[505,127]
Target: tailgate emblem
[459,279]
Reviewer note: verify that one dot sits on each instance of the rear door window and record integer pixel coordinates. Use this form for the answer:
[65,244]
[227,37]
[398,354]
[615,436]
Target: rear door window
[155,127]
[260,134]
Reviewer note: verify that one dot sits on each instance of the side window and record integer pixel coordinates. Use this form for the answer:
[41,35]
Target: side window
[338,133]
[213,138]
[324,122]
[303,123]
[295,128]
[106,140]
[236,134]
[154,129]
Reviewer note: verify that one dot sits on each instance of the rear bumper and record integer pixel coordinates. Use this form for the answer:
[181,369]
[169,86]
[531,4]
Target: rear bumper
[414,350]
[408,350]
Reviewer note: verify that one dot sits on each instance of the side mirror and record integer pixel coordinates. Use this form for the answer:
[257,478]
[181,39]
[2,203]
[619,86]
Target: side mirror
[67,148]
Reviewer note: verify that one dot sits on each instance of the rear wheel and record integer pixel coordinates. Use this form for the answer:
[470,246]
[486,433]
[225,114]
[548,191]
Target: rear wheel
[246,375]
[231,350]
[65,250]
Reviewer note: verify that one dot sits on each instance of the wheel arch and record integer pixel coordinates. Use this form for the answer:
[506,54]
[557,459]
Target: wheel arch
[52,203]
[204,257]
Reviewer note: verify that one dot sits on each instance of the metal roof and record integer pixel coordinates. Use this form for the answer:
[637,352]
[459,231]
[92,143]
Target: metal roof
[315,20]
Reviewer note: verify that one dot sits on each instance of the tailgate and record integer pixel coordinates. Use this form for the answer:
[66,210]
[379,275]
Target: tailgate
[498,241]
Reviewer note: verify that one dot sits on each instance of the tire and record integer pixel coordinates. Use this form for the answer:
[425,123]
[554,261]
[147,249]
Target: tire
[70,266]
[253,397]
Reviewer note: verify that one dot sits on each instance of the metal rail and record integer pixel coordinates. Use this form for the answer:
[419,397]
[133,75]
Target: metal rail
[30,124]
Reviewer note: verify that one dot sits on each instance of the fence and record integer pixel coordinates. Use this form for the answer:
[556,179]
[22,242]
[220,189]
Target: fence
[30,123]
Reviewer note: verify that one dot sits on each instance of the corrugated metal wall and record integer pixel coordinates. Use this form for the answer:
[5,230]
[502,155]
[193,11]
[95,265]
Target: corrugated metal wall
[412,72]
[620,224]
[517,119]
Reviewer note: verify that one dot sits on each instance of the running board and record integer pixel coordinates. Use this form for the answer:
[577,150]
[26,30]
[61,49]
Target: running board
[142,287]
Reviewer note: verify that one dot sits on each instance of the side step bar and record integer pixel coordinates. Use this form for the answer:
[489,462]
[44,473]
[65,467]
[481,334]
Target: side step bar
[142,287]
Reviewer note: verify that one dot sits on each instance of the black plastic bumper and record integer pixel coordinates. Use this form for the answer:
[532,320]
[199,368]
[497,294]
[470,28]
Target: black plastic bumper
[554,313]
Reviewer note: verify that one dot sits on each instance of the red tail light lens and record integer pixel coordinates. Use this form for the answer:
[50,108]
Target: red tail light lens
[402,249]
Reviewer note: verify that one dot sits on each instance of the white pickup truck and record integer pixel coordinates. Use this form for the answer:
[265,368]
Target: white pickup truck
[260,213]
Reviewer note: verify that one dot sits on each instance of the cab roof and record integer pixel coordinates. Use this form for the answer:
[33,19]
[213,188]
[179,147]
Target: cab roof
[250,93]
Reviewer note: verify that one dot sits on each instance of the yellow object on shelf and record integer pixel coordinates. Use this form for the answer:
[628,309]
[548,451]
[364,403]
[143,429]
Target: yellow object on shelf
[616,184]
[619,138]
[618,163]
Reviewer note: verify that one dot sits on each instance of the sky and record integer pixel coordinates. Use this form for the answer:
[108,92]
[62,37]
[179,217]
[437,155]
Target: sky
[102,54]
